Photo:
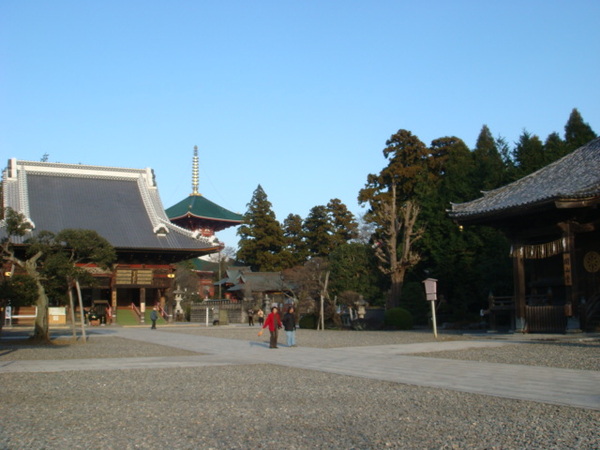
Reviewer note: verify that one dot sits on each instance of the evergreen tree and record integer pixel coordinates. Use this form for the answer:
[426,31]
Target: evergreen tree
[393,206]
[554,148]
[318,232]
[442,247]
[577,132]
[294,236]
[261,237]
[345,227]
[529,154]
[489,168]
[354,268]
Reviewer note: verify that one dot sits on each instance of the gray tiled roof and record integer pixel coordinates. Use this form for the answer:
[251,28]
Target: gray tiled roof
[122,205]
[575,176]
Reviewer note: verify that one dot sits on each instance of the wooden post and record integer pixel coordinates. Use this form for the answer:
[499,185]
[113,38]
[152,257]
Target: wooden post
[113,297]
[433,317]
[519,289]
[78,287]
[570,280]
[142,304]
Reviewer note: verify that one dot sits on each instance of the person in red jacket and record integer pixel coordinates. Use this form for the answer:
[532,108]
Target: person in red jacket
[274,323]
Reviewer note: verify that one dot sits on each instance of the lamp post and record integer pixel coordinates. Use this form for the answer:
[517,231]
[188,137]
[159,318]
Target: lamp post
[431,296]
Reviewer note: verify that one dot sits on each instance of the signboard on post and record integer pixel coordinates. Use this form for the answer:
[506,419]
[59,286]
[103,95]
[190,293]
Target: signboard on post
[431,296]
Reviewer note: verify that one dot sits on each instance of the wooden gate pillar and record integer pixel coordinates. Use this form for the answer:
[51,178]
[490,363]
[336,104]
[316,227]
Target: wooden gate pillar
[519,287]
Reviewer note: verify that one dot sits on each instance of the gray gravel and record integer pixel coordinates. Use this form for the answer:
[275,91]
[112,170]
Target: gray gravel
[564,355]
[265,406]
[326,338]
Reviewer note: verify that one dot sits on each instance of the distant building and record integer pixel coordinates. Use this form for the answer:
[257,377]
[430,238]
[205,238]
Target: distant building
[259,288]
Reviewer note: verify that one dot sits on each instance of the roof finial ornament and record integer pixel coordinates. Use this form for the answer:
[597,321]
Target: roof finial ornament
[195,176]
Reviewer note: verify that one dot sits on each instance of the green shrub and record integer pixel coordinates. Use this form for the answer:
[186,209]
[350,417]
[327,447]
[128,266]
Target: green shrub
[398,318]
[308,321]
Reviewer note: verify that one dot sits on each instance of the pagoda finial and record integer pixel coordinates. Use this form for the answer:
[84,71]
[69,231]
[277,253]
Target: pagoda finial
[195,172]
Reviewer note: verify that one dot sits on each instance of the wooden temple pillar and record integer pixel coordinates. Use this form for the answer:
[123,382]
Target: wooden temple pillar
[569,278]
[519,286]
[113,303]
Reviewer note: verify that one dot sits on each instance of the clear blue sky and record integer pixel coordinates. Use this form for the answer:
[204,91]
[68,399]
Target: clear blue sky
[298,96]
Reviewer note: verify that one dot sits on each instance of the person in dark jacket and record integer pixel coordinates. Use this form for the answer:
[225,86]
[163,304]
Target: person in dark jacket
[154,318]
[289,324]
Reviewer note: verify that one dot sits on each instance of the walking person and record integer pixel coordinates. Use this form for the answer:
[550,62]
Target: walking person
[274,323]
[154,318]
[289,325]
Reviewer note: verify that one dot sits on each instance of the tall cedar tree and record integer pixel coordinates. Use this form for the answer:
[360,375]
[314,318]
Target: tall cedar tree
[318,232]
[345,226]
[261,243]
[489,168]
[449,254]
[554,147]
[294,240]
[529,154]
[393,206]
[577,132]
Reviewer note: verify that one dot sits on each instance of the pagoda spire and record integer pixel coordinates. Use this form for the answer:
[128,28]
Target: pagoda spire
[195,176]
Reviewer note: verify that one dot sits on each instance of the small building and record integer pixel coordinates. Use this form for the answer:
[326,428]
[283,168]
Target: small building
[552,219]
[259,288]
[123,206]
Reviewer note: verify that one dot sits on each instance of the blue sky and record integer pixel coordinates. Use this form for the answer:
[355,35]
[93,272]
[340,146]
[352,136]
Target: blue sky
[298,96]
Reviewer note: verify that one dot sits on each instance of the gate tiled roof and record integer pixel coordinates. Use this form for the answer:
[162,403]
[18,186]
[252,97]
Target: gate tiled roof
[576,176]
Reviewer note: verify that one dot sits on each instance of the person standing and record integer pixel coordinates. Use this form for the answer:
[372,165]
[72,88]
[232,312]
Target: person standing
[250,317]
[274,323]
[154,318]
[289,324]
[261,317]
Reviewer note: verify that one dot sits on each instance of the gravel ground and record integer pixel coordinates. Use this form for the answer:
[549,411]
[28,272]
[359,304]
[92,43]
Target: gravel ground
[564,355]
[326,338]
[96,347]
[269,407]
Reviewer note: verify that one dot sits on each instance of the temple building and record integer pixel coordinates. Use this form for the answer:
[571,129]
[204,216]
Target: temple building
[121,205]
[552,219]
[198,214]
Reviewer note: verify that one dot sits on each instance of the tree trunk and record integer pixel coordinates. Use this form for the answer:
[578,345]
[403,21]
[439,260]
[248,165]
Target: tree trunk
[83,337]
[40,329]
[395,294]
[72,307]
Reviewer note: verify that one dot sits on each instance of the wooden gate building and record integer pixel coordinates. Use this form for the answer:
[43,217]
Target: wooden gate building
[552,218]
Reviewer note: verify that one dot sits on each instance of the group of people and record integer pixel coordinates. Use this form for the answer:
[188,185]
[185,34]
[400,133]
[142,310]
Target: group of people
[260,314]
[274,322]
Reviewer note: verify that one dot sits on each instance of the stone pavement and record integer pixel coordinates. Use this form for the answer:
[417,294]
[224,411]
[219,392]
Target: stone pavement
[577,388]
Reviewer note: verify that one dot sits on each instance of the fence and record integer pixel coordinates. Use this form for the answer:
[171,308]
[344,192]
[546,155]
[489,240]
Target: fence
[223,311]
[545,319]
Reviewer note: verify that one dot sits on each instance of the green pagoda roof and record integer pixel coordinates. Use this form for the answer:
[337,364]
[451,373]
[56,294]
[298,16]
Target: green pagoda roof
[200,207]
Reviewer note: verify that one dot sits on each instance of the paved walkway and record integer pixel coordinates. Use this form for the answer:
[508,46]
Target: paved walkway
[577,388]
